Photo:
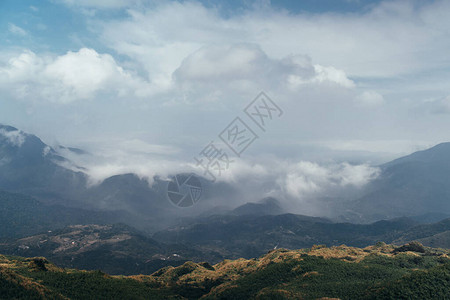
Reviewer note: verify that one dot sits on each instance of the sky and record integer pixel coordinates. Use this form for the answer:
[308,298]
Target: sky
[145,86]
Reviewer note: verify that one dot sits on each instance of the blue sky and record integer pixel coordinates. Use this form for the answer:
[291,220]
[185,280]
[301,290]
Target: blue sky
[295,7]
[147,84]
[57,27]
[50,26]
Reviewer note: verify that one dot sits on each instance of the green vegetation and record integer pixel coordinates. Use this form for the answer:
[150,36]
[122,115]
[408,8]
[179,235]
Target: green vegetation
[375,272]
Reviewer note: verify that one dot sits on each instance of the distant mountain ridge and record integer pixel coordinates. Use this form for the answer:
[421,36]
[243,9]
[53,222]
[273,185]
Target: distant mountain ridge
[417,184]
[251,235]
[267,206]
[22,216]
[29,166]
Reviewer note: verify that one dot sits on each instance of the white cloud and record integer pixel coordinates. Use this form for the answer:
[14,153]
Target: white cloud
[167,40]
[300,185]
[322,74]
[81,74]
[122,156]
[296,180]
[233,62]
[393,38]
[304,179]
[14,137]
[14,29]
[243,67]
[370,98]
[46,150]
[204,75]
[70,77]
[333,75]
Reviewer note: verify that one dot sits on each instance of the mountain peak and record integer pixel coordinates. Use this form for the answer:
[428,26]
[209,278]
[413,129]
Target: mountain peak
[12,135]
[7,128]
[266,206]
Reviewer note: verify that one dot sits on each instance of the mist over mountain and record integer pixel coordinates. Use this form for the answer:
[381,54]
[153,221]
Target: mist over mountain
[409,186]
[22,215]
[29,166]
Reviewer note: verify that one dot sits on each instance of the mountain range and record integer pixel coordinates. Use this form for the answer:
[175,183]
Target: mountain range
[417,184]
[126,226]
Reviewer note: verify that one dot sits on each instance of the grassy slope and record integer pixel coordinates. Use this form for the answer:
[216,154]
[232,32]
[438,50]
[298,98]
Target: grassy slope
[375,272]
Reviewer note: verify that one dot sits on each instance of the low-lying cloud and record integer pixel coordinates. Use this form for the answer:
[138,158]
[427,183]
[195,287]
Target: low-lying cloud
[300,186]
[14,137]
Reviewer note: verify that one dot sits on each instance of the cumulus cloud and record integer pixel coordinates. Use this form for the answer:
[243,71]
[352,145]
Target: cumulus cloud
[243,67]
[322,74]
[168,43]
[81,74]
[209,71]
[67,78]
[233,62]
[390,39]
[333,75]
